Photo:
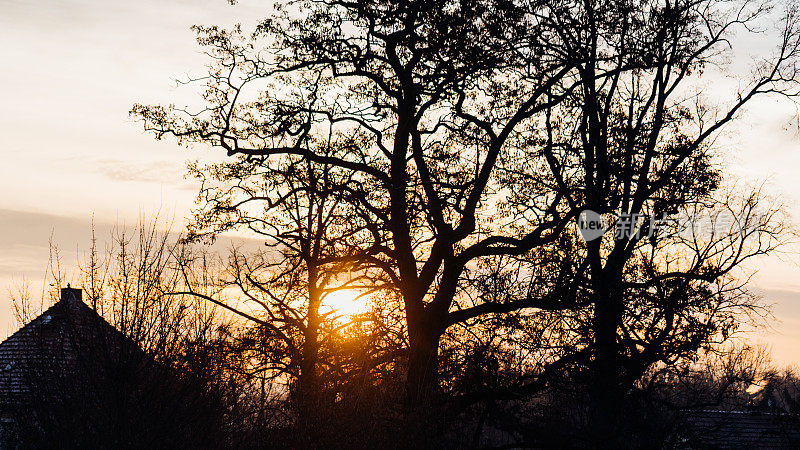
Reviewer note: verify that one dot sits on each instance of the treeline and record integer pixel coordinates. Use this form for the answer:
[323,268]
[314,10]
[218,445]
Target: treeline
[192,373]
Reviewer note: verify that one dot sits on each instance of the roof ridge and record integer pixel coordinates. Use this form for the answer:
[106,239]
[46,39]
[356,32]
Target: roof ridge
[32,321]
[64,305]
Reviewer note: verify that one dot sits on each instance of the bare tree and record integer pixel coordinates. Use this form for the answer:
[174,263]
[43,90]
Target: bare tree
[639,147]
[396,85]
[307,231]
[146,366]
[475,132]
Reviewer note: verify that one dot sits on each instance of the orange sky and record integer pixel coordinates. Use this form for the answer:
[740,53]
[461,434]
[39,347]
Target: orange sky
[71,69]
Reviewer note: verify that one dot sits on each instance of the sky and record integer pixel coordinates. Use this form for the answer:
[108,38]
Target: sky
[69,73]
[69,155]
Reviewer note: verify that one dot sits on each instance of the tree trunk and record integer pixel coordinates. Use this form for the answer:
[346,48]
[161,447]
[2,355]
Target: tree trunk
[308,380]
[606,397]
[423,368]
[422,385]
[426,324]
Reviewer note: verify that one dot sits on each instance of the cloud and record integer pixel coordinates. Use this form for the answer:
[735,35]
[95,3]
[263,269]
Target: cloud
[165,172]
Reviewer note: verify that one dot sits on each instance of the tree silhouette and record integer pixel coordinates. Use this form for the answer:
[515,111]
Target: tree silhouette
[472,133]
[300,215]
[402,88]
[639,146]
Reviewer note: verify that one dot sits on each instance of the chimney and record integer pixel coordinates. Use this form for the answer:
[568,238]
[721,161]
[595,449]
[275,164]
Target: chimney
[69,294]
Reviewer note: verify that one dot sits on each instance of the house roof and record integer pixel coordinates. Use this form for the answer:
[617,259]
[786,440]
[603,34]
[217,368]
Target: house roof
[743,429]
[51,343]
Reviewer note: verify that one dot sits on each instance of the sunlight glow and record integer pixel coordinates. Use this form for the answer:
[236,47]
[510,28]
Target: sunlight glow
[346,303]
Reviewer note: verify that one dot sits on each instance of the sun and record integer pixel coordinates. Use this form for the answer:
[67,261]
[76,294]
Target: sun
[346,302]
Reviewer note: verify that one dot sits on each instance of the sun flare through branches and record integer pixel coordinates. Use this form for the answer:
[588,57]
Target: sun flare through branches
[345,303]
